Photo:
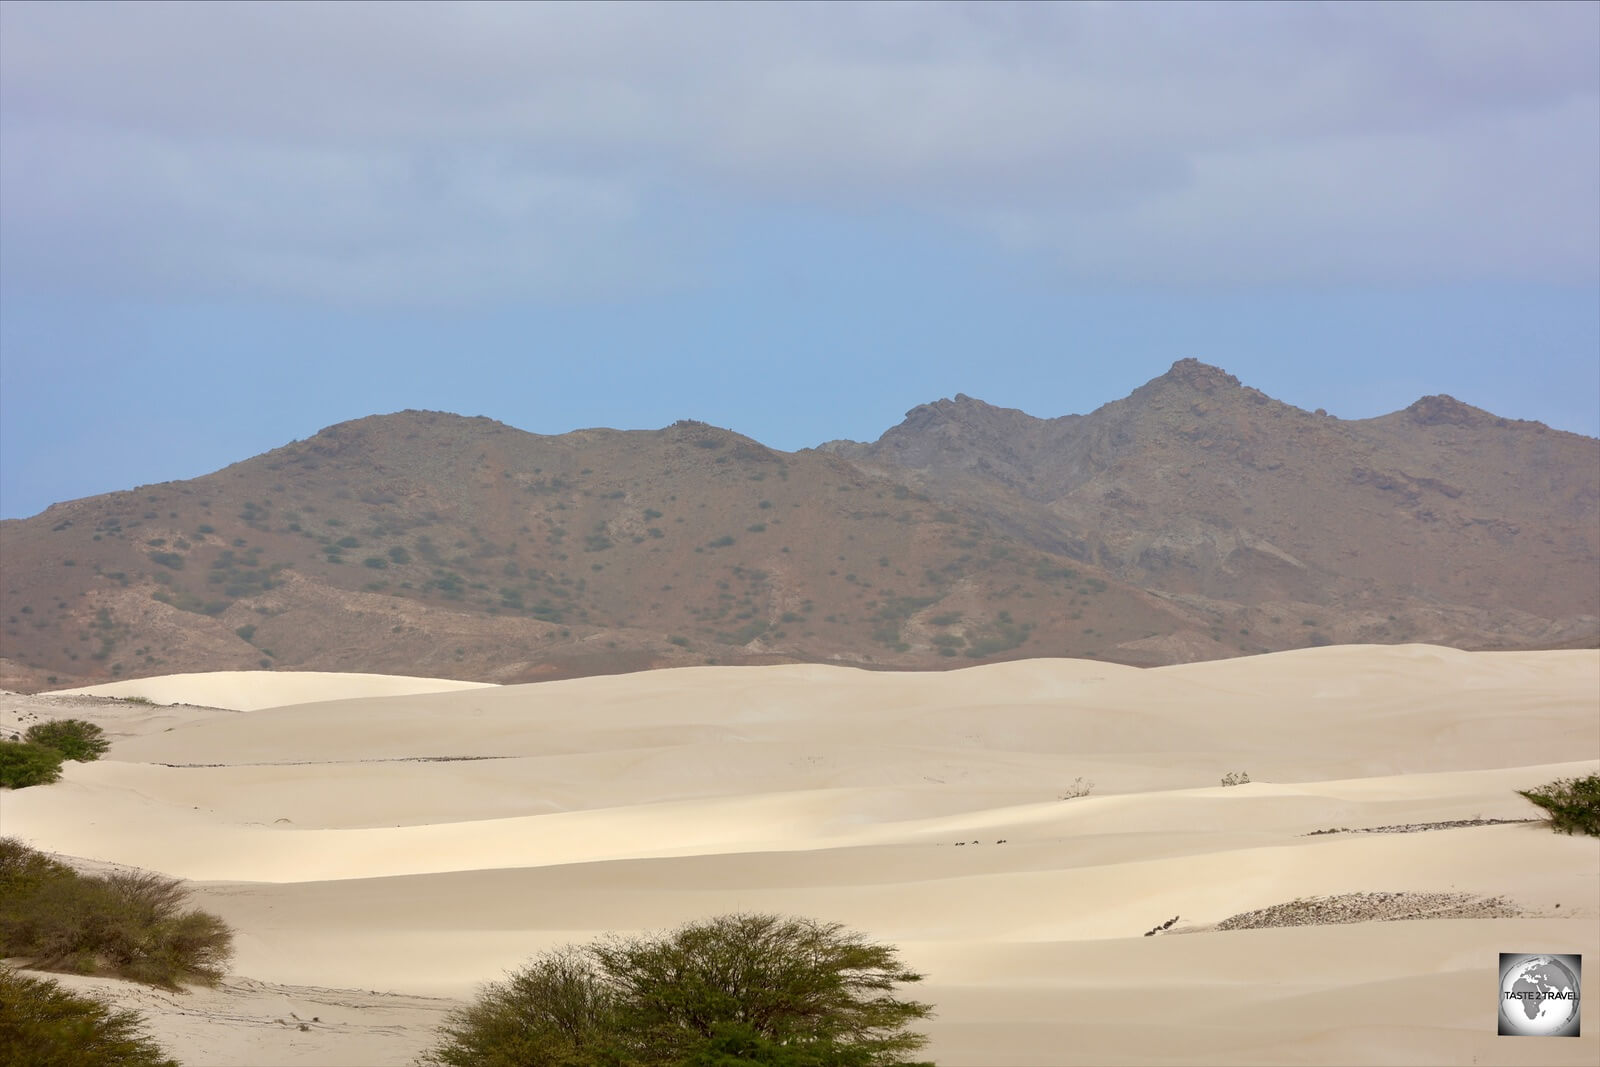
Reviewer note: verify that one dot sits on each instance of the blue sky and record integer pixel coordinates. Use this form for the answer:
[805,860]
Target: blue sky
[224,227]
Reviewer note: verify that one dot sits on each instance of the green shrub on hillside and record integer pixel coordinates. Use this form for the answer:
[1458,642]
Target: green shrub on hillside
[43,1025]
[23,764]
[82,742]
[127,925]
[1572,803]
[732,990]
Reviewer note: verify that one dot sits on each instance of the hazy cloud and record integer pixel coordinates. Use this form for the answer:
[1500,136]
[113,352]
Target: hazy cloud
[465,152]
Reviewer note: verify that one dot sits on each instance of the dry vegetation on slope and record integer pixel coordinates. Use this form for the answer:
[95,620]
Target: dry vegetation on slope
[426,543]
[1194,519]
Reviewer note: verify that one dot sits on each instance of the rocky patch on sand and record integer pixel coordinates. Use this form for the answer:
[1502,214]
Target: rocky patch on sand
[1416,827]
[1372,907]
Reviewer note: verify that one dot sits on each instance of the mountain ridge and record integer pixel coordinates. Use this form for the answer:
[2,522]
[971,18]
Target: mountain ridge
[1195,518]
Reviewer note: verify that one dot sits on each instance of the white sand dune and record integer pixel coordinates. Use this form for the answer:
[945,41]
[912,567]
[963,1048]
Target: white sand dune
[253,690]
[384,846]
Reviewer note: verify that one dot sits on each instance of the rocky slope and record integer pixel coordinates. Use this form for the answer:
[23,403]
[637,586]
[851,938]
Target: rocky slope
[1196,518]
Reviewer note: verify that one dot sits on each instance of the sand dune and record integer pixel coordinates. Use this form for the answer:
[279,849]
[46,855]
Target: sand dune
[380,842]
[252,690]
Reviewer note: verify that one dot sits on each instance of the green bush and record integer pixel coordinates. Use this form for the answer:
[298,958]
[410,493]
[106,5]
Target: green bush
[23,764]
[43,1025]
[127,925]
[1572,803]
[736,1045]
[731,990]
[556,1010]
[82,742]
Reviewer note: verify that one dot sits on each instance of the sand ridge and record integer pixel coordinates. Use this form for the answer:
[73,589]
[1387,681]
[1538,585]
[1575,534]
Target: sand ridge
[417,842]
[252,690]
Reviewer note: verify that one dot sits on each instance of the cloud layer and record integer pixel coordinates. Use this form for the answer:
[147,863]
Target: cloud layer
[471,153]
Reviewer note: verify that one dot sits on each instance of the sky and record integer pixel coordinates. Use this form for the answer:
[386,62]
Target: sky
[224,227]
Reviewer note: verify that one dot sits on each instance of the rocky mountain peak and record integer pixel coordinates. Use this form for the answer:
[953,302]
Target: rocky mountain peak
[961,407]
[1193,374]
[1443,410]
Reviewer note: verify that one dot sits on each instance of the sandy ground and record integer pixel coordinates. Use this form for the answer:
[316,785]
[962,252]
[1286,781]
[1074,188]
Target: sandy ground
[383,850]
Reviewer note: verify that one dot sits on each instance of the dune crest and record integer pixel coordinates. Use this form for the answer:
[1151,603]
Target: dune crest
[254,690]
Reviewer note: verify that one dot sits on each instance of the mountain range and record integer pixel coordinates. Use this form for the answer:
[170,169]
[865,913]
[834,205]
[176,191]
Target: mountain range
[1196,518]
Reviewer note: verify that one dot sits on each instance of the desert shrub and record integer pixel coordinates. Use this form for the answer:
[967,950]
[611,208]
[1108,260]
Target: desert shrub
[43,1025]
[556,1010]
[23,870]
[1236,778]
[23,764]
[731,990]
[785,979]
[1573,804]
[82,742]
[130,925]
[735,1045]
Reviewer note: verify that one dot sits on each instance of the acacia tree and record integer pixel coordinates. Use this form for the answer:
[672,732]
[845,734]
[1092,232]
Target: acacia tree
[75,739]
[737,989]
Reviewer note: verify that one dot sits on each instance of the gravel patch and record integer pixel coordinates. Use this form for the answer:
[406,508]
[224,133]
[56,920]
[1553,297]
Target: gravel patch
[1372,907]
[1417,827]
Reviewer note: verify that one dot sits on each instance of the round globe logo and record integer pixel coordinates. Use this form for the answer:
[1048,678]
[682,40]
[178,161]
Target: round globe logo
[1538,995]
